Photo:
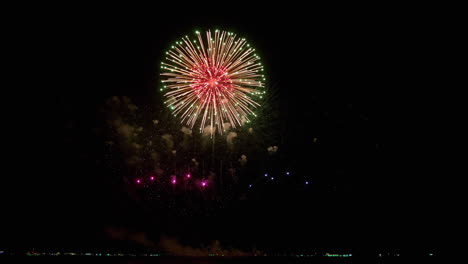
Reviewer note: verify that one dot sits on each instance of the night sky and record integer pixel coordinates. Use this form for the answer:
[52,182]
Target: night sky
[338,80]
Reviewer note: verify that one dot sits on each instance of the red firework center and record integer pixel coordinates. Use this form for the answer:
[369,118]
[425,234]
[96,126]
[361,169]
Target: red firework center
[211,79]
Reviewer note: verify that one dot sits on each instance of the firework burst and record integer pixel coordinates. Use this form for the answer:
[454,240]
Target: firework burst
[213,81]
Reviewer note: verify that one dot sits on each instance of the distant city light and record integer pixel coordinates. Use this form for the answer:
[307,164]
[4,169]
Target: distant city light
[338,255]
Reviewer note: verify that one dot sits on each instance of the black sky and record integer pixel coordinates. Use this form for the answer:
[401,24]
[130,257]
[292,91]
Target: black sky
[340,81]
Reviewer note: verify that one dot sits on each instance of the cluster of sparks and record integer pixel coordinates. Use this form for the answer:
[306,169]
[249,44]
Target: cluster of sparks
[204,183]
[213,81]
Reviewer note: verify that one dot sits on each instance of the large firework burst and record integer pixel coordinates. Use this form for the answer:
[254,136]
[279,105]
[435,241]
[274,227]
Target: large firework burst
[213,81]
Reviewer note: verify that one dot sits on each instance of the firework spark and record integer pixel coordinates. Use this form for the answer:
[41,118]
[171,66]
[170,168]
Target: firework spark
[212,81]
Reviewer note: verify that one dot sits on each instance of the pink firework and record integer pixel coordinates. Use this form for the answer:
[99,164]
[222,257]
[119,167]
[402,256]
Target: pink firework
[213,80]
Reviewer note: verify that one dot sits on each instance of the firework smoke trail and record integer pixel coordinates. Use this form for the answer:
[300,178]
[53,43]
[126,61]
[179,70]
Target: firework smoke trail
[214,80]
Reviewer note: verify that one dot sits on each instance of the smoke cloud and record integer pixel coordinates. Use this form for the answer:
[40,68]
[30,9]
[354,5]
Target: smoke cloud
[132,107]
[167,138]
[187,131]
[208,131]
[272,149]
[195,162]
[243,160]
[124,130]
[226,126]
[230,137]
[174,247]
